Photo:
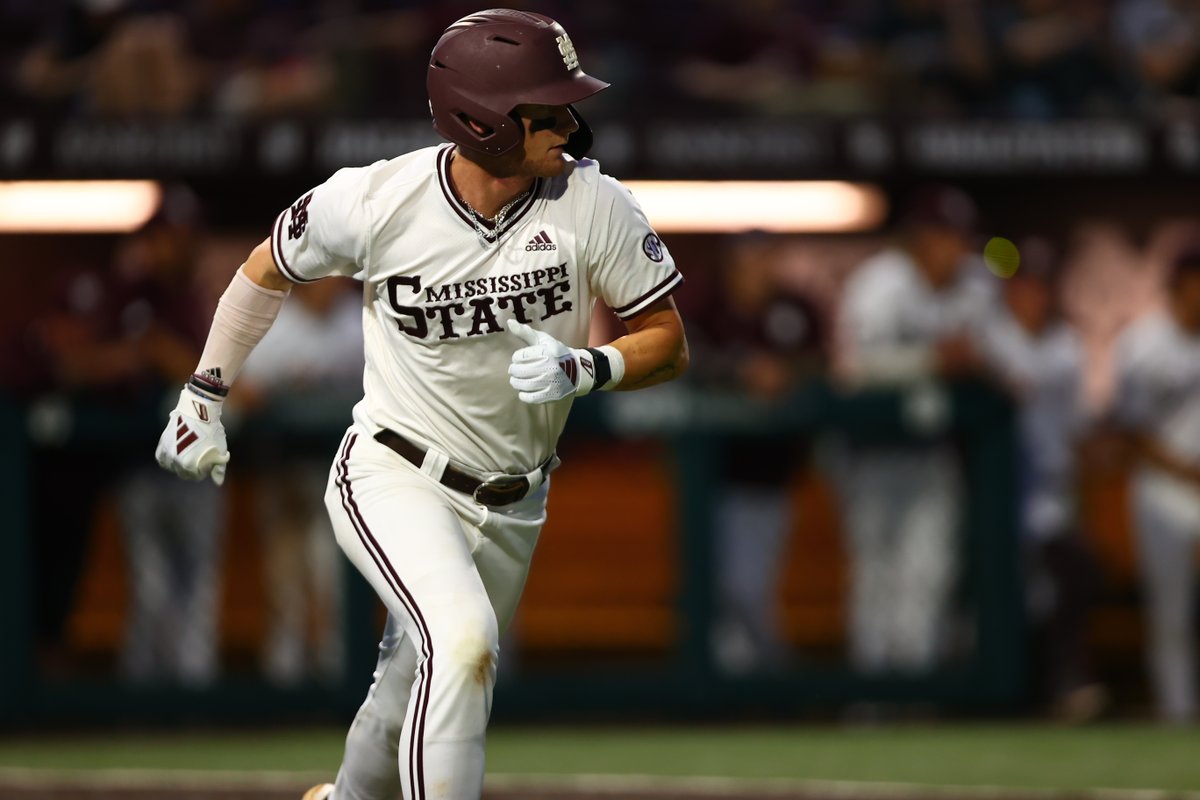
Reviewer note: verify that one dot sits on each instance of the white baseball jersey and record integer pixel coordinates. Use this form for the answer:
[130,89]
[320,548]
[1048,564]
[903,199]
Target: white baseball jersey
[1158,392]
[436,297]
[1046,370]
[891,317]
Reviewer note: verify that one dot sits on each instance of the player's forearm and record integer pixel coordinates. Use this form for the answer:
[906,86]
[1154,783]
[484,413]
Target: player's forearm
[1153,452]
[655,352]
[244,314]
[889,364]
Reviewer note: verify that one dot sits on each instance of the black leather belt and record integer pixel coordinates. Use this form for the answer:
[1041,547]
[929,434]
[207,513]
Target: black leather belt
[501,491]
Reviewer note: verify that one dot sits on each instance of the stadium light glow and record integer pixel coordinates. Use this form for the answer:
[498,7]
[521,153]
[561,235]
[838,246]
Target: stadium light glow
[775,206]
[77,206]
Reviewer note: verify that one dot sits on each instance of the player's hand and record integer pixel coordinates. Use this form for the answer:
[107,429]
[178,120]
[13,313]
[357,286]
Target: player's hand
[957,355]
[546,370]
[193,443]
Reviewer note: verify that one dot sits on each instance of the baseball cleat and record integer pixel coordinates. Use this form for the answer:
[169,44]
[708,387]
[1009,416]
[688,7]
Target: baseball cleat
[322,791]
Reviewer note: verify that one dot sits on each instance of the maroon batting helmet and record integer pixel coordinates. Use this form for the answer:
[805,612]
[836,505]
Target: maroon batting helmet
[487,64]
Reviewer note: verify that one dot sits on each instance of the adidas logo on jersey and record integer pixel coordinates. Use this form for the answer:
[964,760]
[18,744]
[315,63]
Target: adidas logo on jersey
[540,242]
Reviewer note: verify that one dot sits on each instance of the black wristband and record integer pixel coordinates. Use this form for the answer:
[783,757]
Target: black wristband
[603,368]
[209,382]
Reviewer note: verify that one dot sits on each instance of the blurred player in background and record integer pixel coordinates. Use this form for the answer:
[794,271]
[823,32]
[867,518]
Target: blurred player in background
[172,530]
[1040,360]
[480,263]
[759,338]
[126,334]
[313,351]
[1158,402]
[910,316]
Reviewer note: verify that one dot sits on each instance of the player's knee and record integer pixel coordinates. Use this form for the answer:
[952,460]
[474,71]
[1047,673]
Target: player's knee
[470,646]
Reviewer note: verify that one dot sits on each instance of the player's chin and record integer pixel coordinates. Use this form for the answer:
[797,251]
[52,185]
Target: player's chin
[553,164]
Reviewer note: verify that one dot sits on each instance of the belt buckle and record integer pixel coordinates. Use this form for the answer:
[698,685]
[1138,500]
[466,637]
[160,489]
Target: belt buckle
[501,486]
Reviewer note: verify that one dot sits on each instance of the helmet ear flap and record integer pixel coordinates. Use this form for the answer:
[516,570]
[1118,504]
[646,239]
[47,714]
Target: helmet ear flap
[579,142]
[459,118]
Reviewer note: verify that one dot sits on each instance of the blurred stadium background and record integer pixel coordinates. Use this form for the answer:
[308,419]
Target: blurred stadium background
[780,139]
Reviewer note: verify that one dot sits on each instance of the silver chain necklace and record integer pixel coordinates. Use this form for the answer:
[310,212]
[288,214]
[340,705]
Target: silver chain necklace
[500,222]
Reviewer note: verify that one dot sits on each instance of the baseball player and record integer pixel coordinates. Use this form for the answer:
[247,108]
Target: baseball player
[1040,359]
[480,262]
[759,337]
[1158,401]
[909,316]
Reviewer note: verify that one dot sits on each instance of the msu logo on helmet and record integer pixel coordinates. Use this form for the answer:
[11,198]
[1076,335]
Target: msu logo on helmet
[570,58]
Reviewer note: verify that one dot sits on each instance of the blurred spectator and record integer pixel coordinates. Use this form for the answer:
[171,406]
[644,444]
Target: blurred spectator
[767,57]
[931,57]
[123,340]
[910,316]
[1040,360]
[104,59]
[1056,59]
[1028,59]
[261,62]
[378,56]
[1160,43]
[312,357]
[756,338]
[1158,402]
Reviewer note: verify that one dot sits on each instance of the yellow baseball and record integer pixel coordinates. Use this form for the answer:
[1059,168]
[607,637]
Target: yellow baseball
[1001,257]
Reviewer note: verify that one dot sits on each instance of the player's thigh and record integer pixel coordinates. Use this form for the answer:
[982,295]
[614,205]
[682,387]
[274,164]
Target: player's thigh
[410,543]
[1166,553]
[874,490]
[505,542]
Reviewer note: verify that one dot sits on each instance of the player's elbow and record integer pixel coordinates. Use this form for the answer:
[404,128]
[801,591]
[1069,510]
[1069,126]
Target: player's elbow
[683,357]
[260,268]
[678,356]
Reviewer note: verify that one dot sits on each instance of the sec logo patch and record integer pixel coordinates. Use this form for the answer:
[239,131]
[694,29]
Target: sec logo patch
[652,246]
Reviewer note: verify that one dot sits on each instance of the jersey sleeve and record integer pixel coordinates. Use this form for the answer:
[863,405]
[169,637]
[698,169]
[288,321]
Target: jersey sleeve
[631,268]
[325,232]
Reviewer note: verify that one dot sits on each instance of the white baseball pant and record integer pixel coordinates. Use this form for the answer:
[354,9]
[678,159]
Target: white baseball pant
[1167,549]
[902,512]
[752,530]
[450,572]
[172,532]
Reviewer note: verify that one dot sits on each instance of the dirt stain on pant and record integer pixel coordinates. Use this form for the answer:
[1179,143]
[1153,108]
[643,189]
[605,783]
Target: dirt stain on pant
[483,668]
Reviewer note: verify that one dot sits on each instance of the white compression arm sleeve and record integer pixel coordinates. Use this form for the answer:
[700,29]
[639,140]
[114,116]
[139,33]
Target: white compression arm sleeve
[243,316]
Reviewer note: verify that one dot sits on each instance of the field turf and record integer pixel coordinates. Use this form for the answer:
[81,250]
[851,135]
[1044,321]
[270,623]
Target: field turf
[1008,757]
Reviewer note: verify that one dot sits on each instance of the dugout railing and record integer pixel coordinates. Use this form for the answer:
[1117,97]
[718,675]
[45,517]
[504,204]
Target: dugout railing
[990,676]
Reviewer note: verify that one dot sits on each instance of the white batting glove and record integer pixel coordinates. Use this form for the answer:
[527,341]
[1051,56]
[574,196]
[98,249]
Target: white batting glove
[193,443]
[547,370]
